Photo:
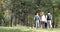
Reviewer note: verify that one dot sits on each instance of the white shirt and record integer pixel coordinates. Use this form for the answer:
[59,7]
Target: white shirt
[43,18]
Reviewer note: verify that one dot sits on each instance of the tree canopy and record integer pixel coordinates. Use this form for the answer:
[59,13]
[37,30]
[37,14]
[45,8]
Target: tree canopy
[21,12]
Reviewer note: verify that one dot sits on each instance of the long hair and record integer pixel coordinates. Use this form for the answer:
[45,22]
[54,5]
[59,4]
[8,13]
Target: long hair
[41,13]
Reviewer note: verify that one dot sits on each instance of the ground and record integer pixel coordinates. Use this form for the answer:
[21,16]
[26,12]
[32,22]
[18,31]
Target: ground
[26,29]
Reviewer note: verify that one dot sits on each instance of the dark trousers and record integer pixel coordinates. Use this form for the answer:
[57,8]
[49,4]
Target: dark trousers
[43,24]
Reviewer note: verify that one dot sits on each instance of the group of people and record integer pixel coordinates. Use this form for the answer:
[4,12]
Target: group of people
[42,20]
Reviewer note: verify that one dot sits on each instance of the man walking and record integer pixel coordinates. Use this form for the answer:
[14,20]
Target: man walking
[49,20]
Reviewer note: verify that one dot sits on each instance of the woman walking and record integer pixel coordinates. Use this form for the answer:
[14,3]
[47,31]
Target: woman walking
[42,19]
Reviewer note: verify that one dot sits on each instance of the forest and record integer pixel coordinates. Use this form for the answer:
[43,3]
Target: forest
[21,12]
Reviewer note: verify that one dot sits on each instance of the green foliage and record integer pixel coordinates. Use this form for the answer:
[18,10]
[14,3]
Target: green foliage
[22,12]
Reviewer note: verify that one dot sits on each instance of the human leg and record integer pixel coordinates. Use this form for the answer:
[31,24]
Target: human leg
[37,24]
[50,24]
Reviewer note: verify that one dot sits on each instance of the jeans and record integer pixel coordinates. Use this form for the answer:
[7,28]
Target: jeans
[37,23]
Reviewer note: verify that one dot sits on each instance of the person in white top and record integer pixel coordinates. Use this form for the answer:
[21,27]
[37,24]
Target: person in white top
[42,20]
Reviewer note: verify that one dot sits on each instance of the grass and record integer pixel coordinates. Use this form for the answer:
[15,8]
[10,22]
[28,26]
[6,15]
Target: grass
[26,29]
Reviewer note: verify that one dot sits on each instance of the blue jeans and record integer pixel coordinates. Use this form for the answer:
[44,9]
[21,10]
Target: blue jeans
[37,23]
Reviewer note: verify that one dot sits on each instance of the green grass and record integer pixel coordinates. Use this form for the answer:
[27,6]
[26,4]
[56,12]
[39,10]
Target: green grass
[26,29]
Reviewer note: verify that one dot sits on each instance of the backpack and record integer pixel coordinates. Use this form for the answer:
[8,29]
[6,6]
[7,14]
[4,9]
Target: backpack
[48,17]
[36,18]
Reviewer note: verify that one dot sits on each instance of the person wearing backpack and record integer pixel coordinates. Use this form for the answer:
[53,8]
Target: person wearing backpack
[37,18]
[49,20]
